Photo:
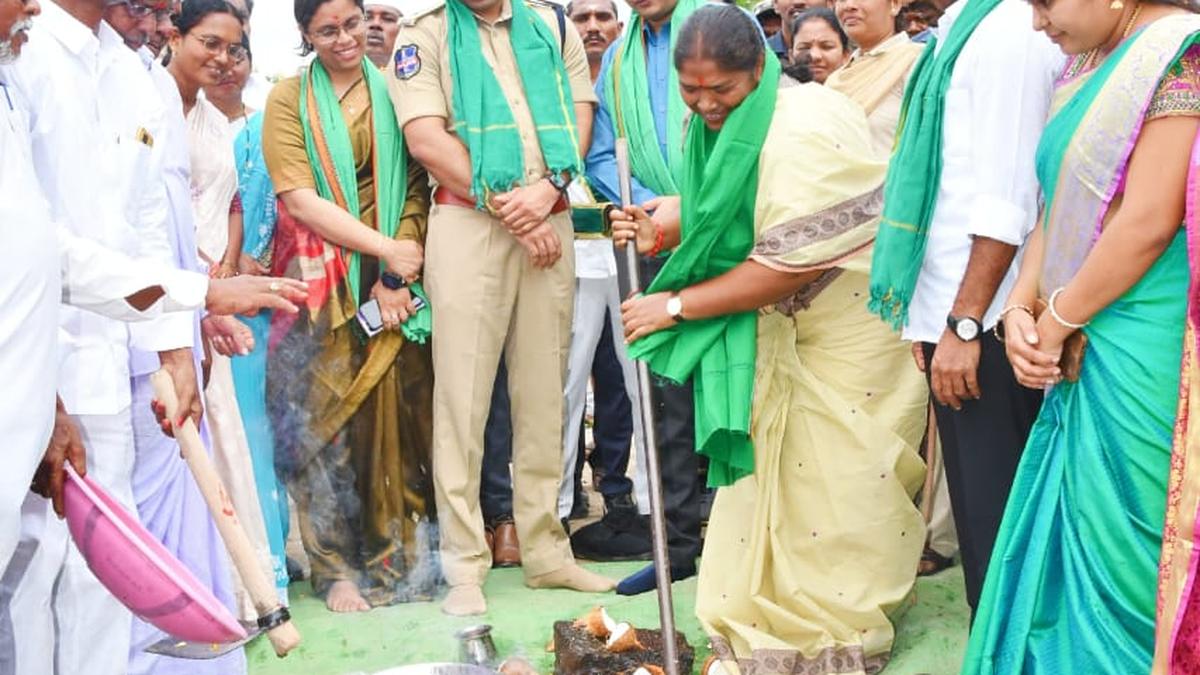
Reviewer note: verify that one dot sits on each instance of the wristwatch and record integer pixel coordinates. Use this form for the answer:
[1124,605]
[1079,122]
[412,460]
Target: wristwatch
[966,328]
[391,281]
[558,182]
[675,308]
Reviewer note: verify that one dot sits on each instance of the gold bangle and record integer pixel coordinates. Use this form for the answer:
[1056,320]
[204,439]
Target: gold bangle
[999,331]
[1008,310]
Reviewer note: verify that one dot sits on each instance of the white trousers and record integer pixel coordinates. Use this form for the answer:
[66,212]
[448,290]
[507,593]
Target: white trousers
[62,620]
[21,460]
[593,297]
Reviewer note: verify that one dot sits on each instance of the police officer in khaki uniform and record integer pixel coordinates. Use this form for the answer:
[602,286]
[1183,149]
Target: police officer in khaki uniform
[501,279]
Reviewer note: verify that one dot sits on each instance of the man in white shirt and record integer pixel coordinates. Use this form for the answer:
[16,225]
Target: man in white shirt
[986,205]
[48,263]
[93,119]
[167,497]
[93,132]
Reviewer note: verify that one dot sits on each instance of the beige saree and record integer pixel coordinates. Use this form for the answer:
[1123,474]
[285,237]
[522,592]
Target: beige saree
[875,80]
[805,559]
[214,184]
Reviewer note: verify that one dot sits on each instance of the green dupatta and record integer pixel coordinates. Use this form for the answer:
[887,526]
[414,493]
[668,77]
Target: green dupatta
[720,181]
[915,173]
[331,155]
[627,98]
[483,119]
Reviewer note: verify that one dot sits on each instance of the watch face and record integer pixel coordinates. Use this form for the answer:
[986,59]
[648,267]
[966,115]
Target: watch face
[966,330]
[674,306]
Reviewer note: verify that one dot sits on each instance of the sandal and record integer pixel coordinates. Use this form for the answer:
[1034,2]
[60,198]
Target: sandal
[932,562]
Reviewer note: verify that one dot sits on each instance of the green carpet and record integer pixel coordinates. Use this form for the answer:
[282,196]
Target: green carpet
[930,640]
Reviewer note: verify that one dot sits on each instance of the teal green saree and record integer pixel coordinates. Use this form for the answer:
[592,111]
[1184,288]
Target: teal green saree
[1072,583]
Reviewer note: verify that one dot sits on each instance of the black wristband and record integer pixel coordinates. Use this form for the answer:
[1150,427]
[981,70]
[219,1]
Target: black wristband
[391,281]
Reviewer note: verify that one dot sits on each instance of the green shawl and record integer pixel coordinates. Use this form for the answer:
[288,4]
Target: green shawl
[720,182]
[627,99]
[483,119]
[915,172]
[331,154]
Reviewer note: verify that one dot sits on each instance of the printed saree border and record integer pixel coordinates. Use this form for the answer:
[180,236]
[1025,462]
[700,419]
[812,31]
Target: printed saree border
[793,235]
[828,661]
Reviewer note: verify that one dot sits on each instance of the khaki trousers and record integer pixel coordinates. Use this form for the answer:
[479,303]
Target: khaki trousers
[488,299]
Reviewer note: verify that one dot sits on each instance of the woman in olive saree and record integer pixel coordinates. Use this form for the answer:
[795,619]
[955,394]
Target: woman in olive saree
[352,414]
[1100,507]
[809,408]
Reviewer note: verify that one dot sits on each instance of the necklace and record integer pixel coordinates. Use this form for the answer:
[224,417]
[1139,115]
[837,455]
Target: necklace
[1090,60]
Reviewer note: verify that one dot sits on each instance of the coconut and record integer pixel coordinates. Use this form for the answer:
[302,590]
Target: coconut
[623,639]
[649,669]
[597,622]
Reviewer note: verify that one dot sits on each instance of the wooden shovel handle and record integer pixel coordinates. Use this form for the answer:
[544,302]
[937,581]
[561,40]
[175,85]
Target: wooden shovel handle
[284,636]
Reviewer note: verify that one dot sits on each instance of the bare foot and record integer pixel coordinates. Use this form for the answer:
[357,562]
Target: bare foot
[573,577]
[464,600]
[343,596]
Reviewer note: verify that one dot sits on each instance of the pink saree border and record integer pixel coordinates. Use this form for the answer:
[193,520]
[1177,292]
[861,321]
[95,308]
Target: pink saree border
[1185,657]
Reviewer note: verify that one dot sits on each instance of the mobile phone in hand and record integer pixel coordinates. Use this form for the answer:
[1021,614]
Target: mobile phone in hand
[370,318]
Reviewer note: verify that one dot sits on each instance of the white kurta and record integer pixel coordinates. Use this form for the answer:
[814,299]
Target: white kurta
[93,117]
[92,278]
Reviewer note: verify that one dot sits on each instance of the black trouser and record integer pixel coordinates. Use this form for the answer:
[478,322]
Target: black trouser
[613,430]
[981,448]
[674,414]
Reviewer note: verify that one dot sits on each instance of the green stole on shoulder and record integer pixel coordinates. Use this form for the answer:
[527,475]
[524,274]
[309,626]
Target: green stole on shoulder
[720,184]
[915,173]
[627,98]
[482,117]
[331,156]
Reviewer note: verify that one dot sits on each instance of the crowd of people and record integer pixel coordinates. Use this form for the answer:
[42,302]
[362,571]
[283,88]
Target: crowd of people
[920,287]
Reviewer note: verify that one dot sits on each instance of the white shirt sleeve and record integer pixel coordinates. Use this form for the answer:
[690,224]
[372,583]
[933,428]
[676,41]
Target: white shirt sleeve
[99,279]
[1013,116]
[172,330]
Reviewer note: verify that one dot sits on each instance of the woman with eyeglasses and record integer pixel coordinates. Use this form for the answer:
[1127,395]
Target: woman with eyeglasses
[206,44]
[258,235]
[350,390]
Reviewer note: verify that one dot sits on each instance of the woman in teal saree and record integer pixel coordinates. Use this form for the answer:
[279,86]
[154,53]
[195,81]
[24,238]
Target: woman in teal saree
[1098,317]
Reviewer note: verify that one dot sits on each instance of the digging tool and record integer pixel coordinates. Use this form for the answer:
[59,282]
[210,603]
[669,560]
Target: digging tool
[658,523]
[273,618]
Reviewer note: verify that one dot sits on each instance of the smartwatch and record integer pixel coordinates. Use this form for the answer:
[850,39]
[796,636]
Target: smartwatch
[675,308]
[391,281]
[966,328]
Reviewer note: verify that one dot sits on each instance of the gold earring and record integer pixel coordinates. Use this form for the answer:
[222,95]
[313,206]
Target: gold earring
[1117,5]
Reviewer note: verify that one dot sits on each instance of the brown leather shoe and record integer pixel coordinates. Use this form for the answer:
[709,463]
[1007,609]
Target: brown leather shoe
[506,550]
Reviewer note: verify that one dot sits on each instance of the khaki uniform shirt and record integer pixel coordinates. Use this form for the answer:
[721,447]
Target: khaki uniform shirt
[422,83]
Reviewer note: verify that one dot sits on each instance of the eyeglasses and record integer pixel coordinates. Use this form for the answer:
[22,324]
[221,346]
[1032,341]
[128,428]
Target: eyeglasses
[136,9]
[215,46]
[328,34]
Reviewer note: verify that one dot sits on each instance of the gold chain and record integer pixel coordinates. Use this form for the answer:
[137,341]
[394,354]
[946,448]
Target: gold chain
[1089,60]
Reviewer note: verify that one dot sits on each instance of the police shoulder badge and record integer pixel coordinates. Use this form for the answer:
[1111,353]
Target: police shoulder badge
[408,61]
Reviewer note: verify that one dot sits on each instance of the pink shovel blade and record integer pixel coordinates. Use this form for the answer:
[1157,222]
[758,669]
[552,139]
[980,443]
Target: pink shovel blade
[139,570]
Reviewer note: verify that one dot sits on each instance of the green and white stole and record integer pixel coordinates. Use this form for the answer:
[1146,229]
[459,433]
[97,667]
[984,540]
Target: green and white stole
[483,119]
[331,155]
[915,173]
